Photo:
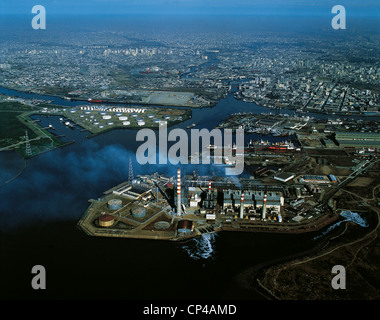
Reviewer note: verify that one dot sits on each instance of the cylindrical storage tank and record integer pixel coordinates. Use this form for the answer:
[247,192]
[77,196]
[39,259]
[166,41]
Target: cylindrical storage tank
[184,226]
[106,220]
[139,212]
[115,204]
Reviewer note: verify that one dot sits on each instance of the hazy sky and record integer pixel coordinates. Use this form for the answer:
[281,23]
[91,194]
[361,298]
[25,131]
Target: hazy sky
[267,7]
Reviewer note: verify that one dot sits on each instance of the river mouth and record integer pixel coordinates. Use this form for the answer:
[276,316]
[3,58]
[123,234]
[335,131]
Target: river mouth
[40,210]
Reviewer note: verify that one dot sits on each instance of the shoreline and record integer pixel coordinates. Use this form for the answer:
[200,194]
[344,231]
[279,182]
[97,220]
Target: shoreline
[251,278]
[254,276]
[211,105]
[73,99]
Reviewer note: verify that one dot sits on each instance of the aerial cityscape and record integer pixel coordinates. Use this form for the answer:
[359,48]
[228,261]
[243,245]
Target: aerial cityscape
[237,144]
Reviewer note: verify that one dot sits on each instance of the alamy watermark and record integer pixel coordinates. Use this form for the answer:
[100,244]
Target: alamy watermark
[338,281]
[224,150]
[39,280]
[39,20]
[339,21]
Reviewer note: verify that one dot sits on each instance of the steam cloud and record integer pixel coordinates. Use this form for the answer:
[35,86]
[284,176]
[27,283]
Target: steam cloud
[58,184]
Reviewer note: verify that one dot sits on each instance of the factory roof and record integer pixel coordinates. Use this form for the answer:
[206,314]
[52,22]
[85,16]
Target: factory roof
[284,176]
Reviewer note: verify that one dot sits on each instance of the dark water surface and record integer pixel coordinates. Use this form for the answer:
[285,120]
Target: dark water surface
[40,209]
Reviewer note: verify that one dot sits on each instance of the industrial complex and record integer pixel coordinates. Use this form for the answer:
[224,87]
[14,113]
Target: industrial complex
[183,207]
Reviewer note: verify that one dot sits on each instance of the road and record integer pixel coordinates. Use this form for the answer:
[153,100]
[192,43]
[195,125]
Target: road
[328,195]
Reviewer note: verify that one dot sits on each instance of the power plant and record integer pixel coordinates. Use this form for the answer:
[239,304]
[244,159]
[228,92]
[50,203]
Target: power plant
[178,208]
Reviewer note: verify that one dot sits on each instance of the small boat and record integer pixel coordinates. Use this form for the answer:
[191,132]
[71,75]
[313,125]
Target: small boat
[68,124]
[191,126]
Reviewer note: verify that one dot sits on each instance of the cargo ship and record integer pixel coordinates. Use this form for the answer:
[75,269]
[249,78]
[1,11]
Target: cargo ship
[275,146]
[280,148]
[94,101]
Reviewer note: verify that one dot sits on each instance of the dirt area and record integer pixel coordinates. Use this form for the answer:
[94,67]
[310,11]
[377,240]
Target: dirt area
[364,186]
[309,278]
[361,182]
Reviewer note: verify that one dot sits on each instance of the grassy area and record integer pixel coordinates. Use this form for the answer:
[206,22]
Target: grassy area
[15,121]
[12,130]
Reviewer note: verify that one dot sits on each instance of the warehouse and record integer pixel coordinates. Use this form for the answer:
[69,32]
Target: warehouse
[358,139]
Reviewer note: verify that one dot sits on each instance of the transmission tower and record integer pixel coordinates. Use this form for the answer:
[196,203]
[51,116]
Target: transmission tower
[130,176]
[27,145]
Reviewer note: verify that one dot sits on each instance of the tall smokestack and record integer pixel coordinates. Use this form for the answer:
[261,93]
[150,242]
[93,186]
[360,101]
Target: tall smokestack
[209,186]
[178,192]
[242,206]
[265,206]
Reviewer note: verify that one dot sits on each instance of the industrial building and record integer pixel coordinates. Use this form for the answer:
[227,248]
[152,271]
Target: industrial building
[358,139]
[210,198]
[148,207]
[314,179]
[251,201]
[284,177]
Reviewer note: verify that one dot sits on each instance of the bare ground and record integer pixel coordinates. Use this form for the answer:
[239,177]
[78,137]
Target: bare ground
[309,277]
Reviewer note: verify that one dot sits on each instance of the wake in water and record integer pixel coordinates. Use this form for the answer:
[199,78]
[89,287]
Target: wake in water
[348,216]
[202,248]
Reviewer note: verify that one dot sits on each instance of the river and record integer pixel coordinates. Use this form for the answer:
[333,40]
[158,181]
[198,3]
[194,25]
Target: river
[39,211]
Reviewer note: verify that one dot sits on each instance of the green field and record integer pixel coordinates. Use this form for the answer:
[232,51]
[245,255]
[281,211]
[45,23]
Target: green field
[14,122]
[12,130]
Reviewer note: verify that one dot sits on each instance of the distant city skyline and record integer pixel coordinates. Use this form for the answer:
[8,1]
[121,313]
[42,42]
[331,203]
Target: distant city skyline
[193,7]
